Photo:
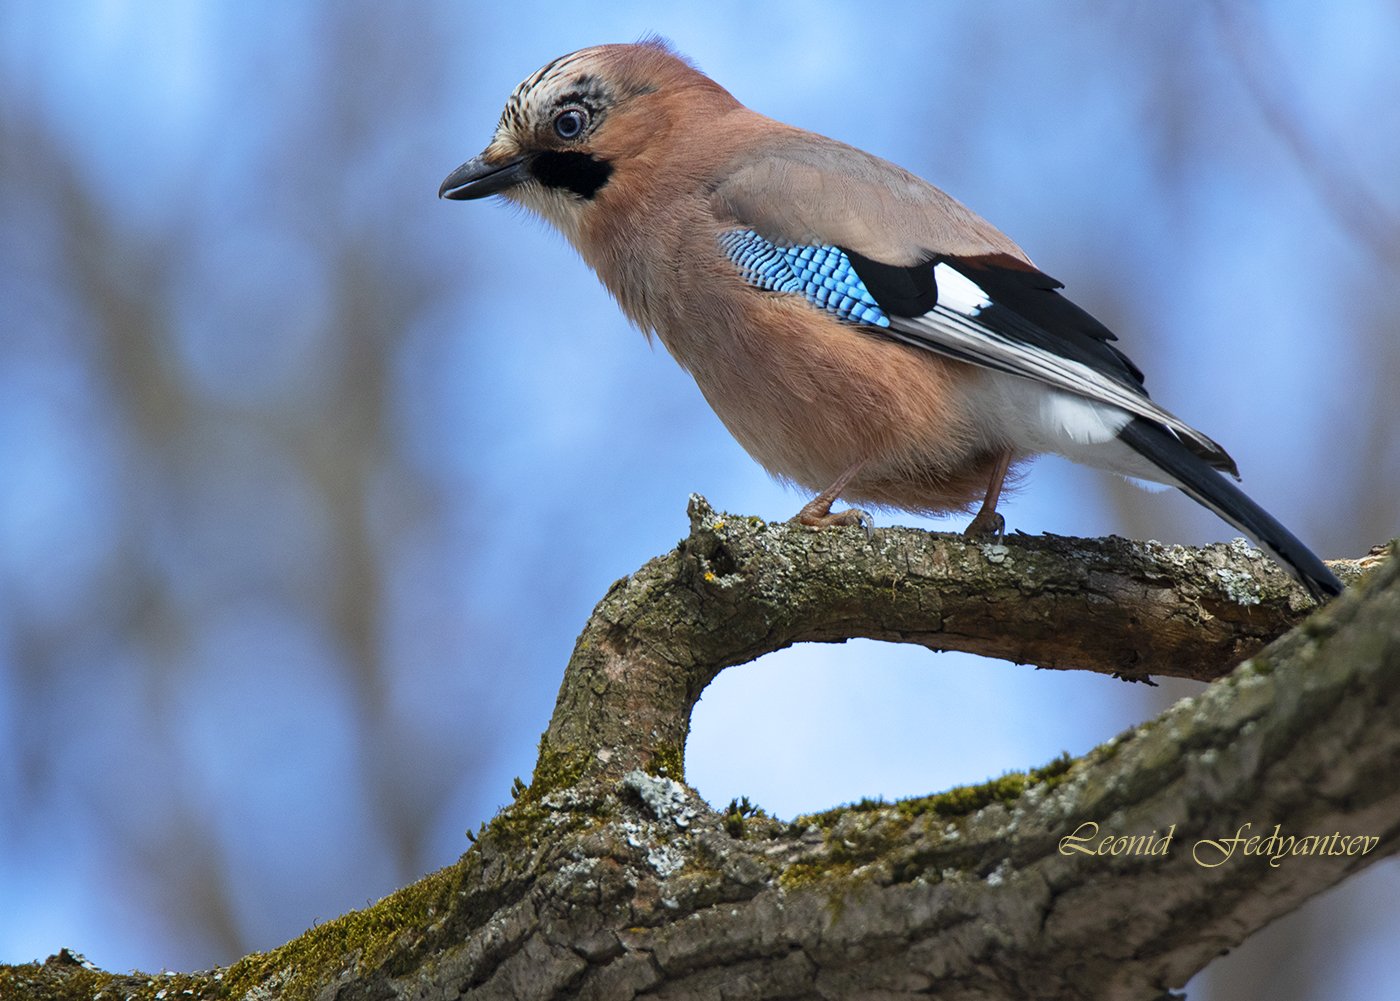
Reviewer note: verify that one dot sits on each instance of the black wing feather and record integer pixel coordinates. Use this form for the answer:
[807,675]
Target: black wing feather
[1027,305]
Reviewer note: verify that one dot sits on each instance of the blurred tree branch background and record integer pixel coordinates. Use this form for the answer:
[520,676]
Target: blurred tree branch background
[307,482]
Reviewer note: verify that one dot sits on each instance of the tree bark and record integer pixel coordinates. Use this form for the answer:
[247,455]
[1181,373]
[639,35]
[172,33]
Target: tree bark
[1116,875]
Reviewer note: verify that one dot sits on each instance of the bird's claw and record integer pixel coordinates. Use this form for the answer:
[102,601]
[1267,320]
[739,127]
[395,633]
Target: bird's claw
[987,525]
[852,517]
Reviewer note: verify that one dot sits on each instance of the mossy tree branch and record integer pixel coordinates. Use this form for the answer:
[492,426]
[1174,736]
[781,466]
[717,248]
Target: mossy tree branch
[608,878]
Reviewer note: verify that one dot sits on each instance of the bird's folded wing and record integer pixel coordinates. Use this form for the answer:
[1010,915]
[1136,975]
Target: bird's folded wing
[877,246]
[802,188]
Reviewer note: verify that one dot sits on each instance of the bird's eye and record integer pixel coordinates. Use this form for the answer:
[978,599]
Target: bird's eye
[570,123]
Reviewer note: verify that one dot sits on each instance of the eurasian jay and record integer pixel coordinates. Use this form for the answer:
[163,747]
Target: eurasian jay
[859,331]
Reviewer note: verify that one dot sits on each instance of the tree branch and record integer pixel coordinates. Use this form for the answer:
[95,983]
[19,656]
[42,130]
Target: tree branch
[608,877]
[737,588]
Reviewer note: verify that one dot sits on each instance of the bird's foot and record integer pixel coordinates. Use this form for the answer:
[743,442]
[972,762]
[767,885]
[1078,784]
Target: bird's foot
[987,525]
[818,514]
[817,511]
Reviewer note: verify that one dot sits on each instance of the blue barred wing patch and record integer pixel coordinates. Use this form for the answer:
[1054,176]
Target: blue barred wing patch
[822,275]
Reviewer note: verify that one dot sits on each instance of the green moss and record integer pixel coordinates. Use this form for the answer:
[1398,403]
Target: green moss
[65,978]
[556,768]
[517,829]
[869,831]
[965,800]
[668,760]
[969,799]
[1261,665]
[1053,773]
[526,824]
[958,802]
[800,875]
[737,814]
[358,941]
[385,934]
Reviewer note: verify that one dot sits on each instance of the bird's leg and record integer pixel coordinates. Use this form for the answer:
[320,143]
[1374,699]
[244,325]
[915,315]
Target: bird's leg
[989,524]
[818,514]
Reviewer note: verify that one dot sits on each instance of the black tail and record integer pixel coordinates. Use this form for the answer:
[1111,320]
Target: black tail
[1205,486]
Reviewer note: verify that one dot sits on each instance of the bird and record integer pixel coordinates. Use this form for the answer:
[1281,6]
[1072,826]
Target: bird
[860,332]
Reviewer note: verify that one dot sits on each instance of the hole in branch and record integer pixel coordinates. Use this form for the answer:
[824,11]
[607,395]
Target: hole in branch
[817,725]
[721,561]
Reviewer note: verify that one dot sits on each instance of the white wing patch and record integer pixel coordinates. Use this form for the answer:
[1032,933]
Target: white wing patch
[958,292]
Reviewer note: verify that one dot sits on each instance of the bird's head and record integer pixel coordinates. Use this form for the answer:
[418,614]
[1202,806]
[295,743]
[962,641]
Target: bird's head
[577,125]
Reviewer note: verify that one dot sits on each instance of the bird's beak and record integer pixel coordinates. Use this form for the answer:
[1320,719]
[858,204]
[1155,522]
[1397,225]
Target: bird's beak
[479,177]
